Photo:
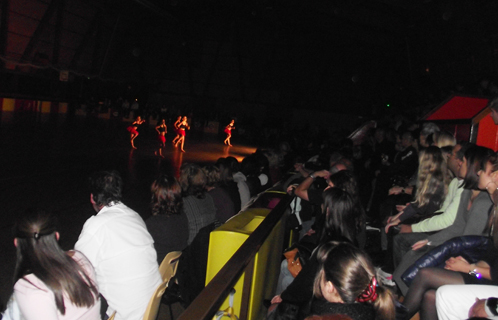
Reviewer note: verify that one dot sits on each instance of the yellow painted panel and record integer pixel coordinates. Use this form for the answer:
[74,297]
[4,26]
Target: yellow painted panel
[227,239]
[8,104]
[45,106]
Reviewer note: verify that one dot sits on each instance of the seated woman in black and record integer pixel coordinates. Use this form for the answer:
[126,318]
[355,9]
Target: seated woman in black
[168,224]
[346,284]
[340,225]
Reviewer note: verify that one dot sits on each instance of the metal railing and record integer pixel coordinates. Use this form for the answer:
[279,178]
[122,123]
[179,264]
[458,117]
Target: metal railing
[208,302]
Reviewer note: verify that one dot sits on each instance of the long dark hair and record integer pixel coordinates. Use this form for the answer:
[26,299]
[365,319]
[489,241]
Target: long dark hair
[166,196]
[477,157]
[39,253]
[346,180]
[340,215]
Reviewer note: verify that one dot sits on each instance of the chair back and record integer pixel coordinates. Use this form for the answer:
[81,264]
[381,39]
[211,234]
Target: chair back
[155,302]
[168,267]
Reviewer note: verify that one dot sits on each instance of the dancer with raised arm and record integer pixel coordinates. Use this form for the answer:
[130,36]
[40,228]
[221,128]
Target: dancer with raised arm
[228,131]
[133,130]
[181,131]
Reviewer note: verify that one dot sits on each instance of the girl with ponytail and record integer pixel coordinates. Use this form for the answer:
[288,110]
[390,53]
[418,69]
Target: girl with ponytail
[50,283]
[346,283]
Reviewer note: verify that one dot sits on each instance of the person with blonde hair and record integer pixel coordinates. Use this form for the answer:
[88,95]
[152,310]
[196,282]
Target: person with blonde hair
[346,283]
[444,139]
[432,185]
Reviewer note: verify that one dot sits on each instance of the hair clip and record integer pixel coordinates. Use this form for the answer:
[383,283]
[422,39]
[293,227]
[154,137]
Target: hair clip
[36,235]
[370,293]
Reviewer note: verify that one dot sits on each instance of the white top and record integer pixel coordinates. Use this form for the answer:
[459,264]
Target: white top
[245,194]
[37,301]
[121,249]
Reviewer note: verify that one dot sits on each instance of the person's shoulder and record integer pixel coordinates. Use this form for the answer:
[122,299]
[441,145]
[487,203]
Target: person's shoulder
[28,283]
[110,214]
[79,257]
[484,198]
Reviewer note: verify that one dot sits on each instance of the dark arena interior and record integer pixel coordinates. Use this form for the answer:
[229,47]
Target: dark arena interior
[312,87]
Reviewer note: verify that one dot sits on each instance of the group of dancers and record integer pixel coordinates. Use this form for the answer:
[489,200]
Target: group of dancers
[180,127]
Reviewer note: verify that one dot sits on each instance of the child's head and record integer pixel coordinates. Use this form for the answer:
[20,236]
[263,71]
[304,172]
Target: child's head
[346,275]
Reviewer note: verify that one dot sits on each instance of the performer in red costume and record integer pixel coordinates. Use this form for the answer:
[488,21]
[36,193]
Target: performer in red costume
[181,131]
[133,130]
[161,129]
[228,131]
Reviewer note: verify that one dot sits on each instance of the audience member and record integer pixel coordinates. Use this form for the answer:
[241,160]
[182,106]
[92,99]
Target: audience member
[444,139]
[448,210]
[197,204]
[51,283]
[346,284]
[120,248]
[227,183]
[240,179]
[422,292]
[396,172]
[224,205]
[340,225]
[168,224]
[251,170]
[431,188]
[428,130]
[470,219]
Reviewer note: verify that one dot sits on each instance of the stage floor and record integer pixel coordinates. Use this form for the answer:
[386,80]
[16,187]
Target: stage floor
[47,164]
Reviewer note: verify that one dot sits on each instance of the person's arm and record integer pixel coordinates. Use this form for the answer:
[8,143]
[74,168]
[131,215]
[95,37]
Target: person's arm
[409,211]
[441,221]
[459,264]
[157,129]
[302,190]
[458,226]
[301,289]
[302,170]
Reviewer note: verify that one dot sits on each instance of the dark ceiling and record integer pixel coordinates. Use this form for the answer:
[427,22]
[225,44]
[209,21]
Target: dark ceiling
[345,56]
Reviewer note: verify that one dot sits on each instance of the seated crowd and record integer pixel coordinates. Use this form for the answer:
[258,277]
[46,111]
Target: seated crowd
[421,189]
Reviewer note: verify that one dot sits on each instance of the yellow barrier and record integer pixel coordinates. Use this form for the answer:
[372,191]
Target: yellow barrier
[225,241]
[8,104]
